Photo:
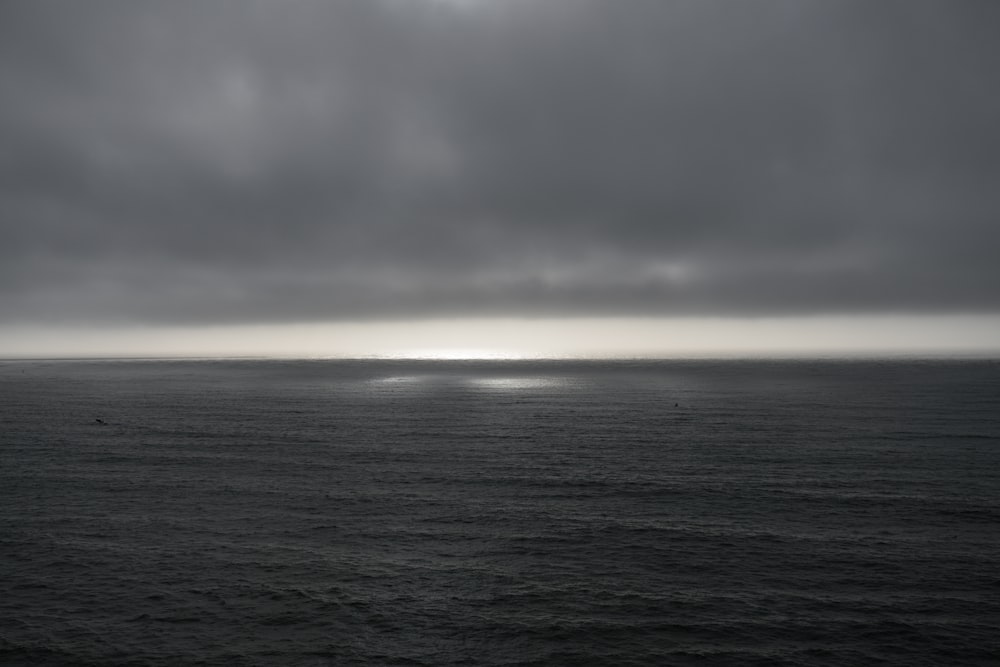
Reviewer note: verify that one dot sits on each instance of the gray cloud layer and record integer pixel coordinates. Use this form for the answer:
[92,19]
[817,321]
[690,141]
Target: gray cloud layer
[266,161]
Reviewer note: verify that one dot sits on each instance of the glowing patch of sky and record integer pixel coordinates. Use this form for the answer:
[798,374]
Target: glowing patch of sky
[501,338]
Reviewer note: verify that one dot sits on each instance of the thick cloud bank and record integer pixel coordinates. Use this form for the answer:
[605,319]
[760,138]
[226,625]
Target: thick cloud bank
[247,161]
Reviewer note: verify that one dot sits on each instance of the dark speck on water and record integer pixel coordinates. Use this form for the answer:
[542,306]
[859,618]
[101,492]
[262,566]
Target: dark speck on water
[499,513]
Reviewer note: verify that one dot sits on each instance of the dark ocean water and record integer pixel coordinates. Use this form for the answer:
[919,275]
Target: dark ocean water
[499,513]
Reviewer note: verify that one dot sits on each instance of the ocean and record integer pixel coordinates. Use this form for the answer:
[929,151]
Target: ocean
[407,512]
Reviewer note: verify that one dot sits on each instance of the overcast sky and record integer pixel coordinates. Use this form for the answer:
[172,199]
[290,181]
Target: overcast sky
[208,162]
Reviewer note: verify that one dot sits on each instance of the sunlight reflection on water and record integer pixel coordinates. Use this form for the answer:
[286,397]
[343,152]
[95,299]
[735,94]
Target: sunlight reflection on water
[516,383]
[502,384]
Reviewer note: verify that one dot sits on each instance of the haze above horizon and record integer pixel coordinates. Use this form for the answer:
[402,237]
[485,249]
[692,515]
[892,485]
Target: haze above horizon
[507,338]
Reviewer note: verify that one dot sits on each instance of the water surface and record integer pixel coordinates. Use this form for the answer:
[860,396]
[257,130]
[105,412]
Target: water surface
[499,513]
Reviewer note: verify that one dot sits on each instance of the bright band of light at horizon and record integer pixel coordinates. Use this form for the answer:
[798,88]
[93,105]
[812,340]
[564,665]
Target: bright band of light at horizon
[515,338]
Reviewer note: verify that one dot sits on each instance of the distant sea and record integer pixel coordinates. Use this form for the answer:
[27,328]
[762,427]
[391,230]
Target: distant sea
[499,513]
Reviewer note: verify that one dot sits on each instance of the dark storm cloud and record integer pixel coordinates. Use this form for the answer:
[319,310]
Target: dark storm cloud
[258,161]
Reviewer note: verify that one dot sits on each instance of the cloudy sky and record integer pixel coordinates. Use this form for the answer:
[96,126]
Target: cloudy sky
[201,165]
